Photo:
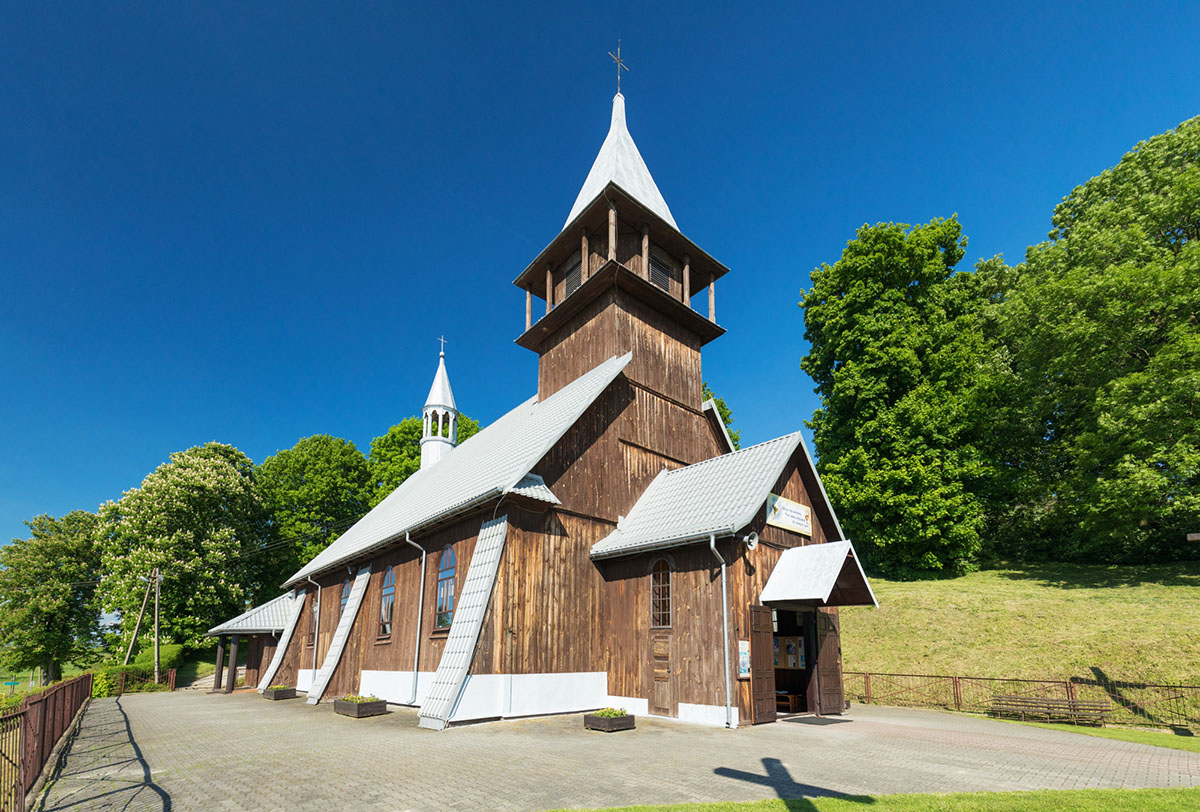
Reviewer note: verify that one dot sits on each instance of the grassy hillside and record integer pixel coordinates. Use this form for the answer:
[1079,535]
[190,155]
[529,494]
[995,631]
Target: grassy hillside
[1052,621]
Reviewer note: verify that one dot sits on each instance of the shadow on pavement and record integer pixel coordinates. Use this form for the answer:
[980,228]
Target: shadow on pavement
[104,768]
[791,792]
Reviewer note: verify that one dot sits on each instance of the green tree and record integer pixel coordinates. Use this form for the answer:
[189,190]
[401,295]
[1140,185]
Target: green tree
[895,345]
[313,492]
[1095,402]
[199,518]
[726,415]
[396,455]
[49,615]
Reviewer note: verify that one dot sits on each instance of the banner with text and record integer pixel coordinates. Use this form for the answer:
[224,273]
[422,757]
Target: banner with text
[789,515]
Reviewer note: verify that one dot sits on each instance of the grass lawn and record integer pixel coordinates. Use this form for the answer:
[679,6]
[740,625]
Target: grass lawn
[1049,621]
[1094,800]
[1157,738]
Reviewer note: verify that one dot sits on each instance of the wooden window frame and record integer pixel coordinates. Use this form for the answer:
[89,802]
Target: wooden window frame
[387,591]
[347,586]
[656,590]
[446,607]
[660,258]
[573,276]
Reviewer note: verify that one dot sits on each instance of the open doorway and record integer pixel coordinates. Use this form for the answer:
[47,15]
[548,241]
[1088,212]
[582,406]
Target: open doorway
[794,656]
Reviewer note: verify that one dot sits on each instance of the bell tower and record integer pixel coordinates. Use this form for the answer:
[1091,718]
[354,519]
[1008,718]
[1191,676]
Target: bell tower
[619,277]
[439,417]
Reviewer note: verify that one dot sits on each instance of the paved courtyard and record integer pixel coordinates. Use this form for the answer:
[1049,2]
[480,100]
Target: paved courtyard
[192,751]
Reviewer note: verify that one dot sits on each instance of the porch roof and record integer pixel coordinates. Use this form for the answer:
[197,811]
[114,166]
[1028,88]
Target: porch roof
[265,618]
[819,575]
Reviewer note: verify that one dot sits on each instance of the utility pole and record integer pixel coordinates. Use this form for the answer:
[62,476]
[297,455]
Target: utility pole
[138,626]
[157,582]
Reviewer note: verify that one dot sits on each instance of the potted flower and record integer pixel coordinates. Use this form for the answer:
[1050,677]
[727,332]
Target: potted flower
[609,720]
[360,706]
[279,692]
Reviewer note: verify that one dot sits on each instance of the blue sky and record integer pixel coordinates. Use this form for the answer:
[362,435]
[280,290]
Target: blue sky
[250,222]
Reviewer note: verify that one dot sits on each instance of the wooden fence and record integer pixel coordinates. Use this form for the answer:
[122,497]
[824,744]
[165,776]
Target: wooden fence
[1133,703]
[29,731]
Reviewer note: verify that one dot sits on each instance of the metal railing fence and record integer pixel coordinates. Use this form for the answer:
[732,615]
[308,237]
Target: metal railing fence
[1132,703]
[28,733]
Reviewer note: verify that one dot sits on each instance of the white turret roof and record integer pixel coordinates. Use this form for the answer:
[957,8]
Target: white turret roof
[620,162]
[440,394]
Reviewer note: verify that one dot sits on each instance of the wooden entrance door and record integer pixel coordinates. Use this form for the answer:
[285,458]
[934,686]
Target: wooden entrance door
[829,663]
[662,687]
[762,665]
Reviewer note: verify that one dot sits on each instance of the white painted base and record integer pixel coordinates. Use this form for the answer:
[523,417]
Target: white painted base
[634,704]
[713,715]
[304,678]
[394,686]
[492,696]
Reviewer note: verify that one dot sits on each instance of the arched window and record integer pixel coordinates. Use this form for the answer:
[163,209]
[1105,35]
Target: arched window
[386,602]
[345,595]
[445,591]
[660,594]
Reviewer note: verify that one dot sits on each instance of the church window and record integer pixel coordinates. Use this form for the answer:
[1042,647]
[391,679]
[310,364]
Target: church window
[345,595]
[660,271]
[445,591]
[574,278]
[660,594]
[387,601]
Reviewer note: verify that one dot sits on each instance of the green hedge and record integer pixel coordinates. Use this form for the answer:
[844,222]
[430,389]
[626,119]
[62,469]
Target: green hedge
[170,655]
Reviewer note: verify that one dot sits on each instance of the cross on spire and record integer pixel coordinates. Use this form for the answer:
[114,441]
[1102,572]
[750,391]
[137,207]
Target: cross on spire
[620,64]
[443,340]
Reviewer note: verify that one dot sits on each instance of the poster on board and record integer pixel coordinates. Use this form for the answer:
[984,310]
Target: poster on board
[743,659]
[789,515]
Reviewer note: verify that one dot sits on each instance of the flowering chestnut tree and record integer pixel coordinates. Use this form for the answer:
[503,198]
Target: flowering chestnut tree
[200,519]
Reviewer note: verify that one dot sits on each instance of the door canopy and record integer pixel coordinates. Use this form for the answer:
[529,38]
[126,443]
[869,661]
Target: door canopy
[818,575]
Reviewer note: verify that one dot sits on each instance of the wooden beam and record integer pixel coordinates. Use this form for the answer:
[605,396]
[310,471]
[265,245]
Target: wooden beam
[712,299]
[220,672]
[232,681]
[645,251]
[687,280]
[585,259]
[549,287]
[612,230]
[528,309]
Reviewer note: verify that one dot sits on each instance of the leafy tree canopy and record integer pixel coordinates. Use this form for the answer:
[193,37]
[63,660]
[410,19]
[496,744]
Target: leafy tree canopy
[200,519]
[726,415]
[1096,406]
[49,615]
[895,343]
[313,492]
[396,455]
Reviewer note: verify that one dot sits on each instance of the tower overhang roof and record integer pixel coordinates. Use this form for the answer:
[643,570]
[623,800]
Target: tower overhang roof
[614,274]
[594,217]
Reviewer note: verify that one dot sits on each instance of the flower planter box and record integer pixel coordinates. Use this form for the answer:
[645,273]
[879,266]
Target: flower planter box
[609,724]
[279,693]
[360,709]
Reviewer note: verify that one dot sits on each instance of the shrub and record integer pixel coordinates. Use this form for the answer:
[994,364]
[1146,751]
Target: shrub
[611,713]
[280,688]
[358,700]
[103,685]
[170,655]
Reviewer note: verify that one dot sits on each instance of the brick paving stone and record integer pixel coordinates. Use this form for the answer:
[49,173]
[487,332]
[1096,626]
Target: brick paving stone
[192,751]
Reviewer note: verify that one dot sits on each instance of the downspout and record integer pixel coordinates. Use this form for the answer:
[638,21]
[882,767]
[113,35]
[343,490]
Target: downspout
[712,545]
[316,627]
[420,614]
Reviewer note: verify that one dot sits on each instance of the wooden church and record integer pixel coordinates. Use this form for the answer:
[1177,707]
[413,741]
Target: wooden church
[600,544]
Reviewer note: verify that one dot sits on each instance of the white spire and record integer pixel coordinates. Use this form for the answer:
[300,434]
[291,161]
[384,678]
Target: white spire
[440,393]
[439,418]
[620,162]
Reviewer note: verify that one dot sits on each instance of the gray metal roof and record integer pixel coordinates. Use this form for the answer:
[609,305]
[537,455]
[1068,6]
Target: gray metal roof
[493,462]
[533,486]
[810,575]
[717,496]
[620,162]
[271,616]
[451,675]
